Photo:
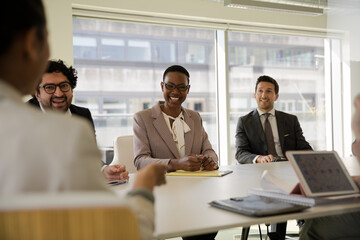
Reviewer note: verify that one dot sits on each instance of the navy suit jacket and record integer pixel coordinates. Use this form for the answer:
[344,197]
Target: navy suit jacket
[76,110]
[250,136]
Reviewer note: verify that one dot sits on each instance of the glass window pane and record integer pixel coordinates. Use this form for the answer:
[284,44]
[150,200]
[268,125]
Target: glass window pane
[195,53]
[297,63]
[112,49]
[164,52]
[85,47]
[127,76]
[139,50]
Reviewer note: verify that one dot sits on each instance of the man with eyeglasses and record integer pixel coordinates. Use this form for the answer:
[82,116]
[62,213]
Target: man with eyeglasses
[55,91]
[44,155]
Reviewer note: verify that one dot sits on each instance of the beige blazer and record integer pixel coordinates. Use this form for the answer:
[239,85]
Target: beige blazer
[153,141]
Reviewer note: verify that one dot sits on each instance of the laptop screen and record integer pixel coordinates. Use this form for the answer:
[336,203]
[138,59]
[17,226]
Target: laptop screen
[321,173]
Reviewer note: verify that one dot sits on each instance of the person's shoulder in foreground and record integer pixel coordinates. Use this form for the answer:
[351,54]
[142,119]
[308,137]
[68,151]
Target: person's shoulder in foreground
[343,226]
[48,153]
[46,158]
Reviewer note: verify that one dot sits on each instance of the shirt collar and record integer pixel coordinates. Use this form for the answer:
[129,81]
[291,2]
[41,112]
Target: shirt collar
[68,112]
[181,116]
[272,112]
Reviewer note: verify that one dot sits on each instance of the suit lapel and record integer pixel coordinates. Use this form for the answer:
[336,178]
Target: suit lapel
[163,130]
[280,121]
[189,136]
[73,109]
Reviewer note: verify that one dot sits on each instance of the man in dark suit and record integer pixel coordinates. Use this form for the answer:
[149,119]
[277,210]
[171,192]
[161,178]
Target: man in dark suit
[55,92]
[265,133]
[75,110]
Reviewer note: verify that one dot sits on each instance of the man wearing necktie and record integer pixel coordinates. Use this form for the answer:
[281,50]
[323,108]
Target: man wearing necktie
[265,133]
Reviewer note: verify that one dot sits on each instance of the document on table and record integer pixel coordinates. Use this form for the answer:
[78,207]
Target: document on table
[273,187]
[214,173]
[258,206]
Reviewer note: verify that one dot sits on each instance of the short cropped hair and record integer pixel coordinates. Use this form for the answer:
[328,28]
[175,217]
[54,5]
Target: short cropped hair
[17,17]
[269,79]
[177,68]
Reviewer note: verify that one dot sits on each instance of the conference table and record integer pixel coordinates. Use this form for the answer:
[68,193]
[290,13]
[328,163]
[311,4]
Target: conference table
[182,205]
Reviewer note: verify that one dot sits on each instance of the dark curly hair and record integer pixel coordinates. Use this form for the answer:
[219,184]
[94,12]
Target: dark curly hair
[57,66]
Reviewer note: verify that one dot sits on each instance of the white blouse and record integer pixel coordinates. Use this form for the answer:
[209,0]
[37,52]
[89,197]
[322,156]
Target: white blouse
[178,129]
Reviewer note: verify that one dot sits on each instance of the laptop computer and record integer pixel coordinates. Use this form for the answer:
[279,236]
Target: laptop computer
[321,173]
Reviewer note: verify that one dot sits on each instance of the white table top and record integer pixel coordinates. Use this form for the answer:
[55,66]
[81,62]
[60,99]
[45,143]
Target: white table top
[182,207]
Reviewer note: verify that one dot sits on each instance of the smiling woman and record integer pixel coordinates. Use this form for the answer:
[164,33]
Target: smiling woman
[175,87]
[170,134]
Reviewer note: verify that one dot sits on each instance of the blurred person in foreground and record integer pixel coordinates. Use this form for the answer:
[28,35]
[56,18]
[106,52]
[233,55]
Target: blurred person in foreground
[49,153]
[344,226]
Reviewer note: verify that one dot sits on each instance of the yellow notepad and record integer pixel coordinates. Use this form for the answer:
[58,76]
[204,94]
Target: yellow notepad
[215,173]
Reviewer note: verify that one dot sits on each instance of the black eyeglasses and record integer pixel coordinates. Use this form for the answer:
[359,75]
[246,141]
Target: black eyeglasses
[51,88]
[181,88]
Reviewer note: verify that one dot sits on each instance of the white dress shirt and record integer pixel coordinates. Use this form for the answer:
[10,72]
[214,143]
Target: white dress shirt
[274,128]
[68,112]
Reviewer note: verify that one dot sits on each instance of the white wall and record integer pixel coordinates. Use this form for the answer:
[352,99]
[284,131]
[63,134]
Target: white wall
[59,17]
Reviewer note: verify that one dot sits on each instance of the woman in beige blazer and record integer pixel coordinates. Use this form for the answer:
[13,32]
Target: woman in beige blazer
[172,135]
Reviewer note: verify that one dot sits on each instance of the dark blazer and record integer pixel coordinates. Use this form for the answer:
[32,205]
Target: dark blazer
[76,110]
[250,136]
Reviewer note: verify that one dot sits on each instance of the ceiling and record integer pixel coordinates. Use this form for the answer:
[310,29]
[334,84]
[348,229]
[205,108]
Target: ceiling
[325,4]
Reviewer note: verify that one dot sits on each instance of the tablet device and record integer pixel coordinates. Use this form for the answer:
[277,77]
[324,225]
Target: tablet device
[321,173]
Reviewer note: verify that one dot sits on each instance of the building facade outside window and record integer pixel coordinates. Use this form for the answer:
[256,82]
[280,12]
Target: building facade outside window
[297,63]
[120,68]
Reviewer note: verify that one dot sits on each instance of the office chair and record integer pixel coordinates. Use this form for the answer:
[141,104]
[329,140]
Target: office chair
[68,223]
[278,231]
[124,153]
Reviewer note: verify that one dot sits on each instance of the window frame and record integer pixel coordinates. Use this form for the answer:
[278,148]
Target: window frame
[337,77]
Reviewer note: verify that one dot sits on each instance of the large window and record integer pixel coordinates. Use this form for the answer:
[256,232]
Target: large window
[297,63]
[120,67]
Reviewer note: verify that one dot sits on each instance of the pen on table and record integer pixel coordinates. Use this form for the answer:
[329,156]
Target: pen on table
[118,182]
[201,157]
